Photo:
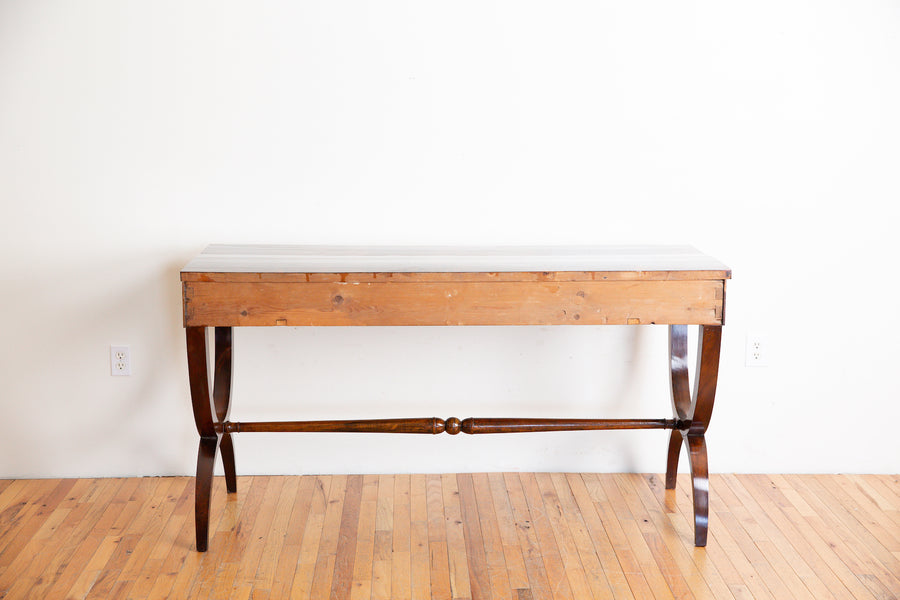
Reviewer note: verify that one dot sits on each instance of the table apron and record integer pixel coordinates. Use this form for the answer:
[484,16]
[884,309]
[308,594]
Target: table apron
[243,304]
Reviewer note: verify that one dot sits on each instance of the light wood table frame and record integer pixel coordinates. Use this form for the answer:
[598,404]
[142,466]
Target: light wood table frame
[239,286]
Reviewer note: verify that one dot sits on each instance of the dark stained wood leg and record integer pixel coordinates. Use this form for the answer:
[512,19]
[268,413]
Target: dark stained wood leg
[706,378]
[198,372]
[675,441]
[206,460]
[694,412]
[680,394]
[227,449]
[205,413]
[700,479]
[222,401]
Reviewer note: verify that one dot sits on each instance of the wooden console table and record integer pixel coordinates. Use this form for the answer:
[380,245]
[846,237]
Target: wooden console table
[230,286]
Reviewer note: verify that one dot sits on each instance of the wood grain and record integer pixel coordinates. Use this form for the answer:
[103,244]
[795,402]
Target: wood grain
[453,303]
[496,536]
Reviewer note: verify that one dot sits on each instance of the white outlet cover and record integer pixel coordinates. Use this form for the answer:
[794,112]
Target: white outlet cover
[756,353]
[119,361]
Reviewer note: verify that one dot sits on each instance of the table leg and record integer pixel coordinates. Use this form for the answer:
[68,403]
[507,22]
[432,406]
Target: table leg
[681,395]
[696,445]
[222,401]
[206,460]
[694,413]
[210,411]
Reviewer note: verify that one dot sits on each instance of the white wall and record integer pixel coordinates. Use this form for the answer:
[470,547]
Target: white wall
[133,134]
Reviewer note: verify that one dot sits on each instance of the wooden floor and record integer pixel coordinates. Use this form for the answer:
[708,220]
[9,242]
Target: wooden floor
[517,536]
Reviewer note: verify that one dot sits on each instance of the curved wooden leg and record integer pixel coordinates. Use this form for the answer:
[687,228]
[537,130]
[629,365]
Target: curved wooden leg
[706,377]
[206,460]
[709,345]
[693,414]
[222,401]
[227,449]
[198,372]
[680,394]
[700,479]
[675,441]
[210,411]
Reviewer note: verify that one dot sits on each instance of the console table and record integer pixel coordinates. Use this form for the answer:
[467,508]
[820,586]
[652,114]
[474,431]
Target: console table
[230,286]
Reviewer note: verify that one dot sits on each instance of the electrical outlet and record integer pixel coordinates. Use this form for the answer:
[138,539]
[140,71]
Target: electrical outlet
[757,351]
[119,360]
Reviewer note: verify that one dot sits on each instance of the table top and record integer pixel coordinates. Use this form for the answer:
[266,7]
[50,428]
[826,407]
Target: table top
[260,258]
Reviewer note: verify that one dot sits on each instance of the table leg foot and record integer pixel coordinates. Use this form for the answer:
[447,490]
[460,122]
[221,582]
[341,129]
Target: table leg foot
[206,460]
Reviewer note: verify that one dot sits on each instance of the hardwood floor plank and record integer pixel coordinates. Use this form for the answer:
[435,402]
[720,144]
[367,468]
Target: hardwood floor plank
[345,554]
[229,535]
[91,572]
[419,550]
[514,562]
[453,536]
[4,484]
[301,587]
[439,558]
[729,552]
[539,585]
[618,493]
[573,523]
[328,543]
[158,504]
[14,499]
[790,515]
[817,577]
[715,565]
[29,519]
[384,539]
[460,585]
[479,579]
[565,542]
[493,544]
[80,543]
[677,569]
[867,558]
[47,561]
[141,520]
[596,530]
[160,507]
[885,499]
[107,578]
[875,491]
[549,548]
[789,567]
[365,540]
[890,484]
[289,557]
[250,550]
[598,486]
[401,577]
[273,542]
[864,509]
